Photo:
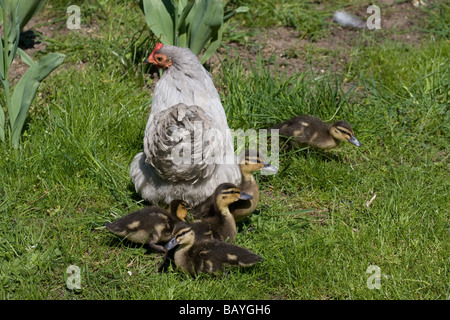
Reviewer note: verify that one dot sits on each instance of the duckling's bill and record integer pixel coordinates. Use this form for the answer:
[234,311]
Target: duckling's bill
[354,141]
[269,169]
[245,196]
[171,244]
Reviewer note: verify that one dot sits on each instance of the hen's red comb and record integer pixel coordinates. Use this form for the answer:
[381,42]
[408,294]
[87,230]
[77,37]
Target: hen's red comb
[150,59]
[158,46]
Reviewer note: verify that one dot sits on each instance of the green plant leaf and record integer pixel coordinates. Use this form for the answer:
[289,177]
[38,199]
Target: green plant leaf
[2,61]
[213,46]
[231,13]
[26,89]
[241,9]
[160,17]
[204,22]
[25,57]
[184,14]
[14,33]
[2,124]
[27,9]
[181,36]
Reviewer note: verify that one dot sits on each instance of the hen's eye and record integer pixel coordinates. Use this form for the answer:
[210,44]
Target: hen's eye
[159,59]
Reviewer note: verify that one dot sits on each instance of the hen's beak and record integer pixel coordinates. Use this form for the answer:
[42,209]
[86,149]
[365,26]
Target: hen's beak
[149,60]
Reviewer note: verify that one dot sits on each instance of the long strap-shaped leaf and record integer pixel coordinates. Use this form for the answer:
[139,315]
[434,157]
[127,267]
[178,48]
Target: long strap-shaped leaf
[11,30]
[2,123]
[181,35]
[4,38]
[159,16]
[184,13]
[15,33]
[26,10]
[26,89]
[25,57]
[204,23]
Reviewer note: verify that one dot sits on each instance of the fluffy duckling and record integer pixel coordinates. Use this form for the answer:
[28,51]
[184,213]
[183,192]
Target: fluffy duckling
[214,214]
[150,225]
[202,255]
[252,162]
[311,131]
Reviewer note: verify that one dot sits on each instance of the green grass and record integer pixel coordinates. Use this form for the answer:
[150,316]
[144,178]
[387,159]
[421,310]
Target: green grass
[71,175]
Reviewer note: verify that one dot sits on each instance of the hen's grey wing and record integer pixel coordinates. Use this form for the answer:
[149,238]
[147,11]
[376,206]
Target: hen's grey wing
[179,140]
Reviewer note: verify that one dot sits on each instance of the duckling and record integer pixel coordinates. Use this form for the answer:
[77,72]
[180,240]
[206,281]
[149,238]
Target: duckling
[214,214]
[252,162]
[150,225]
[311,131]
[202,255]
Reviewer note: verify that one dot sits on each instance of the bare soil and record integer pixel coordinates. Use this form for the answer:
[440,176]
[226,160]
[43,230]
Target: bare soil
[330,52]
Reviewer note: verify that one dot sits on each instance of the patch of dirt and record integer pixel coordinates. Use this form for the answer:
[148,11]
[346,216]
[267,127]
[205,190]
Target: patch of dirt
[31,41]
[294,54]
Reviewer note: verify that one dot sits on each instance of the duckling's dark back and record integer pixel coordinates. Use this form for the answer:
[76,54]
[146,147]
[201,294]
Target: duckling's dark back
[213,256]
[302,126]
[228,253]
[143,219]
[206,208]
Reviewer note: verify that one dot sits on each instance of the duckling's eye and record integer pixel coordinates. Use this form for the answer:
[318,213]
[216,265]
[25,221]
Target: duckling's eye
[231,192]
[184,232]
[253,160]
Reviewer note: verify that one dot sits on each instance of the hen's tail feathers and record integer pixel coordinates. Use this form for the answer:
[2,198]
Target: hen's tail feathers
[176,144]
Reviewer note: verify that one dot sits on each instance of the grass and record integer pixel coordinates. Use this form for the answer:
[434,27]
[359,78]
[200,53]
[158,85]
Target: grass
[71,174]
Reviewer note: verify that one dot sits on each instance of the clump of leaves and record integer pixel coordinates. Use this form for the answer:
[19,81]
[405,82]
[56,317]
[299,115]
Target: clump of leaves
[193,24]
[14,15]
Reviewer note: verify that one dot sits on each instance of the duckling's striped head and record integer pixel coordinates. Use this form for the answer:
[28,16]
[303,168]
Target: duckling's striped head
[178,209]
[254,161]
[343,131]
[227,193]
[183,235]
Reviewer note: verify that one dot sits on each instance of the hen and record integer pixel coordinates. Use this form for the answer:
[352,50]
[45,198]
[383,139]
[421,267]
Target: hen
[188,146]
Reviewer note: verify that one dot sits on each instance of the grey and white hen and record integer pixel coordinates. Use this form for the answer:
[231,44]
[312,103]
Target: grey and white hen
[188,147]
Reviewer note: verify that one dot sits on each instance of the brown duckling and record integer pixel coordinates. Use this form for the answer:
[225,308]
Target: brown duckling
[311,131]
[252,162]
[150,225]
[214,214]
[210,256]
